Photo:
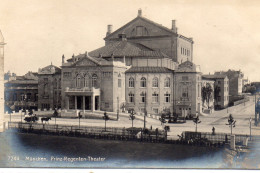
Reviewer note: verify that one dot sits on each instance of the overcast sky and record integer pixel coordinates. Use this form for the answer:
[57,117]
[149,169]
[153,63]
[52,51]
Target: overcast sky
[38,32]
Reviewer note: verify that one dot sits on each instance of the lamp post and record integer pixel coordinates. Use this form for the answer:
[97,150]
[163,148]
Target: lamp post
[255,112]
[117,115]
[250,120]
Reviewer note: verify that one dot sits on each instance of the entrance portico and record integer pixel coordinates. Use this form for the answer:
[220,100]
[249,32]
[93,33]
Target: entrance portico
[83,99]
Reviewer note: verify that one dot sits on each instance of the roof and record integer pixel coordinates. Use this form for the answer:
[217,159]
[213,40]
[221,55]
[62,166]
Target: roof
[149,70]
[214,76]
[126,48]
[22,82]
[49,69]
[149,21]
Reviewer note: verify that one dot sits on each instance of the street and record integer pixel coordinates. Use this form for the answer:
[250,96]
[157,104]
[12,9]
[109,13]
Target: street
[218,119]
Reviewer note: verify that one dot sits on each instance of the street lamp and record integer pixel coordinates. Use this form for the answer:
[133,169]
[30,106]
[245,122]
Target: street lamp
[250,120]
[117,115]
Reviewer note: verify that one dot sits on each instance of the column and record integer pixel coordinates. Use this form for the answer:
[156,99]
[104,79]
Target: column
[99,102]
[92,102]
[75,102]
[67,102]
[84,98]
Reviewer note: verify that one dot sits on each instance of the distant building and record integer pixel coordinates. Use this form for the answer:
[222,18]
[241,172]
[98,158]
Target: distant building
[221,89]
[235,82]
[49,87]
[21,92]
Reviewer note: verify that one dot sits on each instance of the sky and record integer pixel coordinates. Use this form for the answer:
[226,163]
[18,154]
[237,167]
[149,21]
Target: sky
[37,32]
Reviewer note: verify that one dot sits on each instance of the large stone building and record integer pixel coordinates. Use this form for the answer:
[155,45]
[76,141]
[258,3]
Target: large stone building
[135,69]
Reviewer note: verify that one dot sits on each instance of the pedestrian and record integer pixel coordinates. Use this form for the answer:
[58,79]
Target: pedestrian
[213,131]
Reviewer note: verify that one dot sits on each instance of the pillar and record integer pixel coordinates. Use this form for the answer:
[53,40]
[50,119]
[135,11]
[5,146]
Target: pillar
[67,102]
[92,102]
[99,102]
[75,102]
[84,98]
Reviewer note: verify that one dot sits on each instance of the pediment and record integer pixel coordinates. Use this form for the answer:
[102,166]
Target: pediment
[86,62]
[140,27]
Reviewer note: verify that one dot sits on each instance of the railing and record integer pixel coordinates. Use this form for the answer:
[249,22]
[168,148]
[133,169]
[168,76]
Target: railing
[214,138]
[95,131]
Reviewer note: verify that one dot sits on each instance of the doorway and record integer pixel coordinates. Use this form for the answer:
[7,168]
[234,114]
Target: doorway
[87,102]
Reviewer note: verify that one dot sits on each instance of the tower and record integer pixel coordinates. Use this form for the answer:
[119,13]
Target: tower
[2,43]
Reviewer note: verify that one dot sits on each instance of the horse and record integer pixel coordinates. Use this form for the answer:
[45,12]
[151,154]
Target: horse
[46,119]
[31,118]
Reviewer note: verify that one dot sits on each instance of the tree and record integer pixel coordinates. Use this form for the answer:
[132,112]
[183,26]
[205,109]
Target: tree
[206,93]
[55,114]
[231,122]
[131,116]
[106,117]
[196,121]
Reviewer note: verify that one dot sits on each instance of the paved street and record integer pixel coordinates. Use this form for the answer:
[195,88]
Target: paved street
[218,119]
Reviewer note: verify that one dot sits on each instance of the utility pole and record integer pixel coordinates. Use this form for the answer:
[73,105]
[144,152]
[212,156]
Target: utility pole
[145,111]
[250,120]
[117,115]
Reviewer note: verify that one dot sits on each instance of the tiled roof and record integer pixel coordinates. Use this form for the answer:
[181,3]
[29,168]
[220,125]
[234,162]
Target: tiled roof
[149,70]
[213,76]
[125,48]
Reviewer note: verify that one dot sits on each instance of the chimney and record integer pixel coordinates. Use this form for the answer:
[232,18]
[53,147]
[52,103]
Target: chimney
[109,29]
[139,12]
[174,28]
[63,58]
[86,53]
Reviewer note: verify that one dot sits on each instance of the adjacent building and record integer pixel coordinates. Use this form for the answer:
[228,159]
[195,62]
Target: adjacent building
[21,92]
[49,87]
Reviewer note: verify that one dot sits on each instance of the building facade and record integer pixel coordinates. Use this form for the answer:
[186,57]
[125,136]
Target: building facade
[49,87]
[21,92]
[221,90]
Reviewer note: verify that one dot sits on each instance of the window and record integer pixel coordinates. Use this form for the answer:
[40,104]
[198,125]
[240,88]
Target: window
[139,31]
[155,82]
[94,80]
[119,83]
[67,74]
[198,90]
[143,82]
[219,82]
[85,81]
[55,83]
[143,97]
[131,82]
[185,91]
[155,97]
[29,95]
[185,78]
[22,97]
[167,82]
[156,110]
[78,81]
[167,97]
[131,97]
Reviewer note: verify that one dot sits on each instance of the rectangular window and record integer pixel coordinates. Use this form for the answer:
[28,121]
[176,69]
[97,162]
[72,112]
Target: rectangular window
[67,74]
[155,98]
[167,97]
[156,110]
[139,31]
[119,83]
[185,78]
[131,97]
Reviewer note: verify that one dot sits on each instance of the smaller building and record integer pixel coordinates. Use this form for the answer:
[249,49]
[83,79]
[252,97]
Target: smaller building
[221,90]
[21,92]
[187,89]
[49,87]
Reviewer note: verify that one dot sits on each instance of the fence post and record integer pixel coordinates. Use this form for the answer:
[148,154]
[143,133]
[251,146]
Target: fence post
[233,142]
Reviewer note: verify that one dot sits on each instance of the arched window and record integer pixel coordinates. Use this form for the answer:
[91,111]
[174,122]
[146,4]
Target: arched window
[143,97]
[155,97]
[131,82]
[143,82]
[167,82]
[85,81]
[78,79]
[94,80]
[155,82]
